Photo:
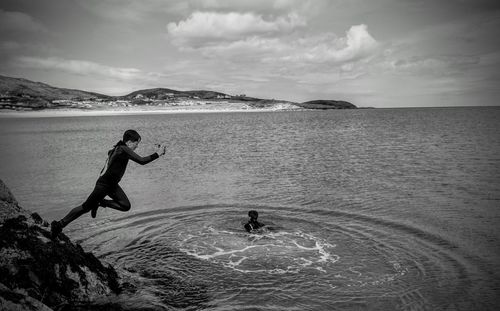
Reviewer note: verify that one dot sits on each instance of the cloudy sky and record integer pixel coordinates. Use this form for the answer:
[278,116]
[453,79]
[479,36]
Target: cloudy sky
[378,53]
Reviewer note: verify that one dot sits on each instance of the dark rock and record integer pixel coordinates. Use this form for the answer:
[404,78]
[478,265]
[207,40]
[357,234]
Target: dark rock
[41,273]
[38,272]
[14,301]
[6,195]
[37,218]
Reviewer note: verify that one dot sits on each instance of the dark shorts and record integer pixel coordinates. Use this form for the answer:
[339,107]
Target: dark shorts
[100,191]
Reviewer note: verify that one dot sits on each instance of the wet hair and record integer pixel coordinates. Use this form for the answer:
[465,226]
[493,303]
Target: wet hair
[131,135]
[253,214]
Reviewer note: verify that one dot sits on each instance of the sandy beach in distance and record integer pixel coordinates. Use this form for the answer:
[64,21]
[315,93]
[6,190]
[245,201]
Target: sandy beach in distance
[212,108]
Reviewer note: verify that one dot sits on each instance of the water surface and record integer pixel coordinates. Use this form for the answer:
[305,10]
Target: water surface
[376,209]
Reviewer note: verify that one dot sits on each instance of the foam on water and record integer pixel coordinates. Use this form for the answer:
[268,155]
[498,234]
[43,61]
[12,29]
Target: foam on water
[385,209]
[317,258]
[266,252]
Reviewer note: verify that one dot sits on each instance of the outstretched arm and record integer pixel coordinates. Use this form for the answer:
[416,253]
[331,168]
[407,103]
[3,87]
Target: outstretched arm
[137,158]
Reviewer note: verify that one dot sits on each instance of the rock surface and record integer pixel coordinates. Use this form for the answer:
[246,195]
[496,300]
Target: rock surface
[40,273]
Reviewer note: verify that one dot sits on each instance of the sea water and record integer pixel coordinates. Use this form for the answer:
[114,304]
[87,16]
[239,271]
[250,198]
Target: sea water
[379,209]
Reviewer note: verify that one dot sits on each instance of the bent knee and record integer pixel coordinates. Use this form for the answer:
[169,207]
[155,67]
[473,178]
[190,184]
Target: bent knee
[126,206]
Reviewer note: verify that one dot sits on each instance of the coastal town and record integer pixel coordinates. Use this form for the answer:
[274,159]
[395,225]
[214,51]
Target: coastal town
[21,95]
[24,102]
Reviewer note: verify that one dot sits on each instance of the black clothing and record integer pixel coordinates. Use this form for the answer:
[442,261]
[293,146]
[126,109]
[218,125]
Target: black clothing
[100,191]
[253,225]
[117,163]
[107,183]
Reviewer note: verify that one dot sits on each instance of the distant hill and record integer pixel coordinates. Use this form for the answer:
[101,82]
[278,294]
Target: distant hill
[23,94]
[207,94]
[17,87]
[163,93]
[327,104]
[156,93]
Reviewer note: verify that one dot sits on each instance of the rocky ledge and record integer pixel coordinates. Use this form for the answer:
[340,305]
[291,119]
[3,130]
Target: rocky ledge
[39,273]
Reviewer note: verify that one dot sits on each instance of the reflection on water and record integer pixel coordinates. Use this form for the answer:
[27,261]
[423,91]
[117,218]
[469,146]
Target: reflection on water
[386,209]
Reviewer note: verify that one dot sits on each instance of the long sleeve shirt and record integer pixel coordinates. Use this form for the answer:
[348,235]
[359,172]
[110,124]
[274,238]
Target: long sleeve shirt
[117,163]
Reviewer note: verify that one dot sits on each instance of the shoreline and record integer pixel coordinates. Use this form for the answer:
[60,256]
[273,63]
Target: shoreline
[117,112]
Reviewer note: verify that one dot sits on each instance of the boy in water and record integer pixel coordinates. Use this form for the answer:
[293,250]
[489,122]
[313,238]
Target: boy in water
[252,223]
[107,183]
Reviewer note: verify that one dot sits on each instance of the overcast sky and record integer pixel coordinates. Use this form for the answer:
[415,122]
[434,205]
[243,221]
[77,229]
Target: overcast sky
[377,53]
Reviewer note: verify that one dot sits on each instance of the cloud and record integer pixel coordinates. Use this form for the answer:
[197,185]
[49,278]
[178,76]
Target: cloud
[140,11]
[128,10]
[18,21]
[319,49]
[357,43]
[263,6]
[319,61]
[14,48]
[9,45]
[438,65]
[79,67]
[250,47]
[206,28]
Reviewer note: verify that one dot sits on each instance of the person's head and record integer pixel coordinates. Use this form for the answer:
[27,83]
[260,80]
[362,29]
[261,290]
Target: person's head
[131,138]
[253,215]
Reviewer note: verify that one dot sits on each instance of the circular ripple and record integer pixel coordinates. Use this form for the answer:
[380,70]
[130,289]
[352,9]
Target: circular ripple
[316,259]
[270,252]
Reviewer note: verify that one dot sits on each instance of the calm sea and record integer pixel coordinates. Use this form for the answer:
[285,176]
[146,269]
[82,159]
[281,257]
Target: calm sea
[383,209]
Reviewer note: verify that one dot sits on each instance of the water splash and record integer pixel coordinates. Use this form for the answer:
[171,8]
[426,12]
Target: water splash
[267,252]
[350,260]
